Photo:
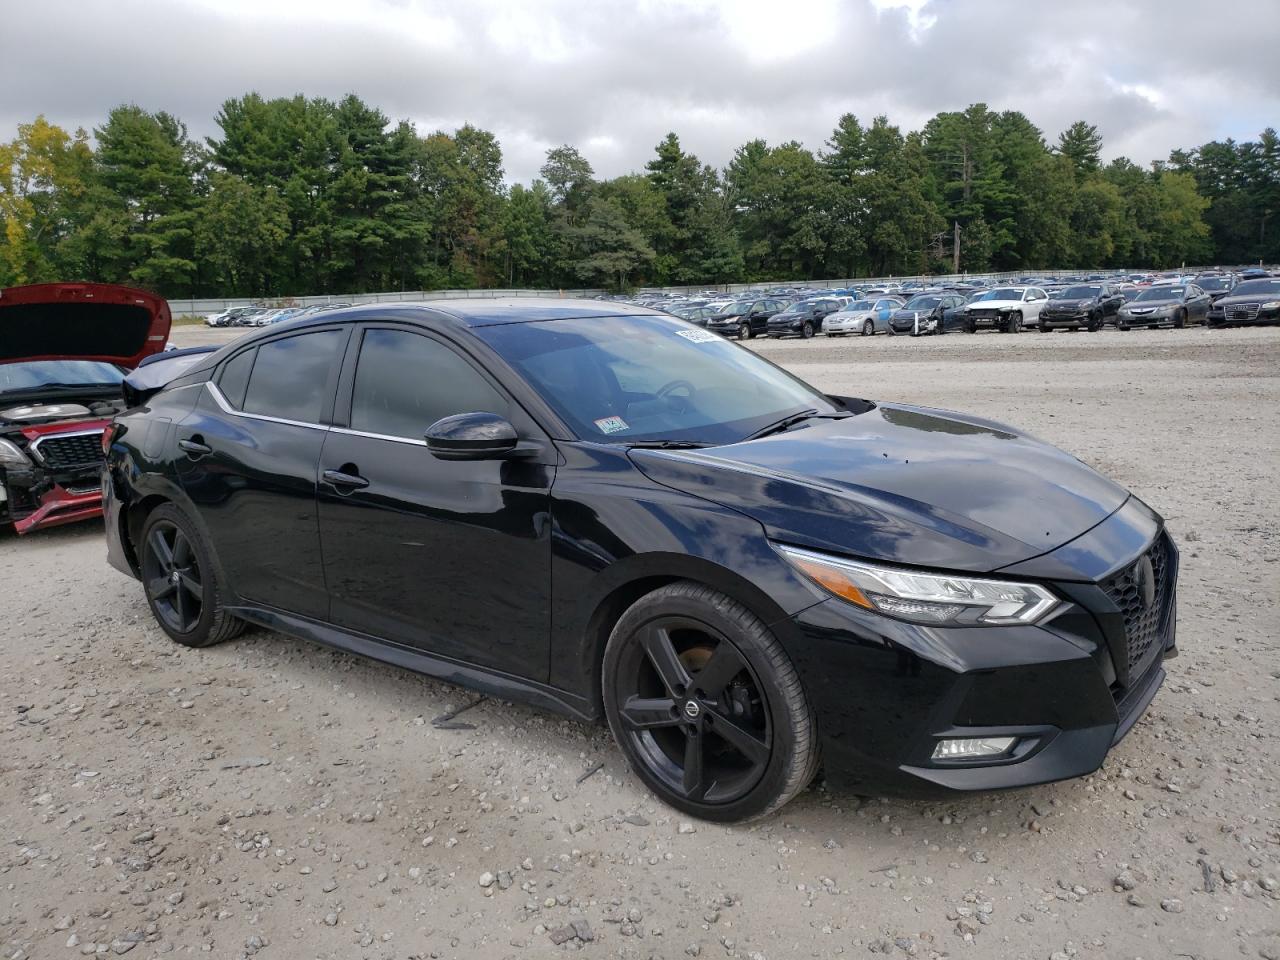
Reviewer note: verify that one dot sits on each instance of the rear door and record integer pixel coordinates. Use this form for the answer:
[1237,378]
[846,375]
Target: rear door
[248,457]
[450,557]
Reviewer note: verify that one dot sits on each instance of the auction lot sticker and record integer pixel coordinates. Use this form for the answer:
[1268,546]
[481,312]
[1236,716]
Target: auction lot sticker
[699,336]
[611,424]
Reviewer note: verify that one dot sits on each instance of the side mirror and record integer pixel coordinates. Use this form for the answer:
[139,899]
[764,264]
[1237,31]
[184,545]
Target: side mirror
[471,436]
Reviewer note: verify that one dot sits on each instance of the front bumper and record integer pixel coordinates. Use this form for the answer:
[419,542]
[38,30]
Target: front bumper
[1220,315]
[1075,318]
[885,692]
[1145,320]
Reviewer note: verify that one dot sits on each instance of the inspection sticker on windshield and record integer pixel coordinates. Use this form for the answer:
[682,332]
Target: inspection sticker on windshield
[698,336]
[611,425]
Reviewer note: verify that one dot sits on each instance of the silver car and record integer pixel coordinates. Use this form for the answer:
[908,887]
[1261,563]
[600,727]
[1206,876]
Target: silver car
[864,317]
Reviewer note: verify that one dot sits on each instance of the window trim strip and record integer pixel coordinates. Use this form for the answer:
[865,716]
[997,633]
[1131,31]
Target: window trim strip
[228,408]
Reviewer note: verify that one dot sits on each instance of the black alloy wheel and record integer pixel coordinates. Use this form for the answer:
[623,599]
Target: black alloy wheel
[806,330]
[868,328]
[171,576]
[1095,323]
[180,581]
[706,705]
[744,331]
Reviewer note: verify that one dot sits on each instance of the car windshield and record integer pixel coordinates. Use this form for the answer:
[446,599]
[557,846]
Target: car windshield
[1159,293]
[1079,293]
[800,306]
[1271,286]
[858,306]
[922,303]
[739,308]
[1002,293]
[1213,283]
[40,374]
[649,378]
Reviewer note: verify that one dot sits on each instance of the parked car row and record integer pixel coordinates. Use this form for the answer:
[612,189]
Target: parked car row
[265,316]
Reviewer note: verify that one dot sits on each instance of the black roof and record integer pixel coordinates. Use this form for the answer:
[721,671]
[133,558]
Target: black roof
[488,311]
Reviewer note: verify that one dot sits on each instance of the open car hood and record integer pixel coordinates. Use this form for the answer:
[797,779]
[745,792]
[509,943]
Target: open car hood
[82,321]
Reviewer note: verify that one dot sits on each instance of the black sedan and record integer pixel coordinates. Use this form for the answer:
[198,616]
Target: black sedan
[929,313]
[611,513]
[802,318]
[1086,306]
[1172,305]
[1251,302]
[744,319]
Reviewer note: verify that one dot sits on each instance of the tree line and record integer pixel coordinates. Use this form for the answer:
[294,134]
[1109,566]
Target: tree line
[306,195]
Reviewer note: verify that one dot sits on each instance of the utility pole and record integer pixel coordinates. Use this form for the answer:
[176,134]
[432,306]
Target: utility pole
[955,249]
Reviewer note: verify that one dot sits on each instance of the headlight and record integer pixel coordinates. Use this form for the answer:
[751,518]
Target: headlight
[1271,305]
[930,598]
[11,456]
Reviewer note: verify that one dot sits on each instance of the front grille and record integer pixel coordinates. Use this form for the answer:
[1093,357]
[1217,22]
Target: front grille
[985,314]
[1243,311]
[1145,626]
[69,452]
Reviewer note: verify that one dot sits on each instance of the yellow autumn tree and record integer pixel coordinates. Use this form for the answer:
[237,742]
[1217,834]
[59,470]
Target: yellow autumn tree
[42,173]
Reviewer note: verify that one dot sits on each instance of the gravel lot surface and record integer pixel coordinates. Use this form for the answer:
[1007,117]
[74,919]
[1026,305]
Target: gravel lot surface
[273,798]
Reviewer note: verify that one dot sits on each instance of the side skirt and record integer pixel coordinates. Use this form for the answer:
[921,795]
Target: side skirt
[493,682]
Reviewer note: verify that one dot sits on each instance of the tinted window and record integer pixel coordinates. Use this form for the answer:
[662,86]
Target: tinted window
[290,376]
[406,382]
[1262,287]
[235,377]
[619,379]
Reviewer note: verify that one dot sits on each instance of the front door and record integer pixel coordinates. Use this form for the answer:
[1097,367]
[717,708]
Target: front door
[450,557]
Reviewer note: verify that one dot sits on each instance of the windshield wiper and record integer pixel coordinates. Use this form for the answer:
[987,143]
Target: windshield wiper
[790,421]
[667,444]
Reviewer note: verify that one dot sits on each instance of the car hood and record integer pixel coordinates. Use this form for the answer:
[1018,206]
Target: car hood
[994,304]
[1234,298]
[901,484]
[81,321]
[1073,304]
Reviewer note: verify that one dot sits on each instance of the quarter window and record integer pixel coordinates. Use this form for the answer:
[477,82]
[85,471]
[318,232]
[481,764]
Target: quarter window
[235,377]
[290,378]
[405,382]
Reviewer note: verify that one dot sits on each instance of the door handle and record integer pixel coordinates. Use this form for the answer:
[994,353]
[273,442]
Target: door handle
[337,478]
[194,447]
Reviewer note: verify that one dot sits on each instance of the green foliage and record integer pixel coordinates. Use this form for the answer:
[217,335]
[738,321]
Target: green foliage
[304,195]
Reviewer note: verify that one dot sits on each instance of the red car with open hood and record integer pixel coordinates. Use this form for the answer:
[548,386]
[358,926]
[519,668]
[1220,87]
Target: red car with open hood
[65,348]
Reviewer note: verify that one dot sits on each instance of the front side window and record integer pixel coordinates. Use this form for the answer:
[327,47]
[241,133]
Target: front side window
[290,377]
[405,382]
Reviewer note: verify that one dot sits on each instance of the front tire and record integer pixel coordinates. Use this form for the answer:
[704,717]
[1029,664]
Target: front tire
[744,331]
[181,581]
[868,328]
[706,705]
[1015,323]
[806,331]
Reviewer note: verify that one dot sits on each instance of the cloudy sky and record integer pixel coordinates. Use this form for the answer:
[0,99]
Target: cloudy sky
[612,76]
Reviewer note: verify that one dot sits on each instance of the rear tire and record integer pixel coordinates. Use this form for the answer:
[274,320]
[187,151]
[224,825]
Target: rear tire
[182,580]
[707,706]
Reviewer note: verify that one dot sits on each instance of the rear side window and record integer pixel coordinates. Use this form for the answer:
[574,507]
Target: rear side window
[291,376]
[235,377]
[405,382]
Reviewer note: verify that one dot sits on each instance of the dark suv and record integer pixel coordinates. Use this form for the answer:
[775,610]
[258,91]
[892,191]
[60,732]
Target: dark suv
[1088,305]
[802,319]
[746,318]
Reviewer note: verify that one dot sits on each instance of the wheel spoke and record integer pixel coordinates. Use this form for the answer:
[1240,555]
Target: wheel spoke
[642,713]
[181,550]
[662,653]
[741,739]
[180,608]
[695,786]
[725,664]
[192,585]
[160,587]
[160,547]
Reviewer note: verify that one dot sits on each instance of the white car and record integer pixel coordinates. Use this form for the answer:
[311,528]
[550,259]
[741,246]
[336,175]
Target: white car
[1007,309]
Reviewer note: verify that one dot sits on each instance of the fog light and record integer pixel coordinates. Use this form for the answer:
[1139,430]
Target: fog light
[973,748]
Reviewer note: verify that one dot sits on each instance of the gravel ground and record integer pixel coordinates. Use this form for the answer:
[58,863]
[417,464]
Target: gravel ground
[274,798]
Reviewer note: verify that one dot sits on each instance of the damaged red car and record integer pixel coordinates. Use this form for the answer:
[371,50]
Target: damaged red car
[65,349]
